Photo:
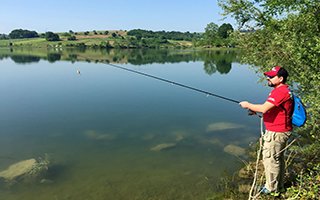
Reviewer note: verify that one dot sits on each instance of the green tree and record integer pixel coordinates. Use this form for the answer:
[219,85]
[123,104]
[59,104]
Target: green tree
[211,30]
[225,30]
[4,37]
[210,36]
[50,36]
[20,33]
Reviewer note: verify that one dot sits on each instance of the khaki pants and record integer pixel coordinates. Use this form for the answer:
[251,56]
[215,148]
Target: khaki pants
[273,160]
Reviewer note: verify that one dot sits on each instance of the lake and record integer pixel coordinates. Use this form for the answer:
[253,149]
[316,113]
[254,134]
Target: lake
[113,134]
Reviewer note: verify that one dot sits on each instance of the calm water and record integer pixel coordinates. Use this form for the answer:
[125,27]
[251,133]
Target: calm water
[99,127]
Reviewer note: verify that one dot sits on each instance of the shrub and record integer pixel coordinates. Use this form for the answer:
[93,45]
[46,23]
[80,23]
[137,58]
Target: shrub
[72,38]
[308,186]
[50,36]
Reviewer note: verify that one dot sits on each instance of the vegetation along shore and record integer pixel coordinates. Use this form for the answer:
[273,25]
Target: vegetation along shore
[291,41]
[214,36]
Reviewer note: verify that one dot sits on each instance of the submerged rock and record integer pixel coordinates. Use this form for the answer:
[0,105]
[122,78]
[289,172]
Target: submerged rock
[25,170]
[95,135]
[18,169]
[179,135]
[234,150]
[221,126]
[163,146]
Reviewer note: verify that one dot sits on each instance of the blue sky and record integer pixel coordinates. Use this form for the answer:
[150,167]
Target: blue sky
[77,15]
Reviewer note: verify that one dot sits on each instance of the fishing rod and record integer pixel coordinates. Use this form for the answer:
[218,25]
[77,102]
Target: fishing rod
[174,83]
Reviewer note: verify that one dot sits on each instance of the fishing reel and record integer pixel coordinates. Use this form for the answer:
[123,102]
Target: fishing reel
[250,112]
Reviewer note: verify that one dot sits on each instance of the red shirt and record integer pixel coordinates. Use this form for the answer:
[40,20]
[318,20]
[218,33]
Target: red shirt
[278,118]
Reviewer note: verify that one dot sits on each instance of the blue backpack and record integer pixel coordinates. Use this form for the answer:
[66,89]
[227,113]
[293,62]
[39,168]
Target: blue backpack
[299,116]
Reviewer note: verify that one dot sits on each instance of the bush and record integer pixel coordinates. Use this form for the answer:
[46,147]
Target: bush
[308,186]
[81,45]
[72,38]
[66,34]
[105,45]
[50,36]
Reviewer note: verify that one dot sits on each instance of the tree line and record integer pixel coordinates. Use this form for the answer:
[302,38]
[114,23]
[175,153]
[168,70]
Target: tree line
[23,34]
[214,36]
[169,35]
[213,61]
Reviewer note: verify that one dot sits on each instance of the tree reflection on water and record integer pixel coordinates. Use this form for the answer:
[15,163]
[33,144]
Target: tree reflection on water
[214,60]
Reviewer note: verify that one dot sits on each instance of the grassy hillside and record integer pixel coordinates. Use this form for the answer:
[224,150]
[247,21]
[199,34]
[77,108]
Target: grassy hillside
[96,39]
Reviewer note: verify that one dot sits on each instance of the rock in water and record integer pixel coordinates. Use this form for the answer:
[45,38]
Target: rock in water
[18,169]
[222,126]
[92,134]
[163,146]
[234,150]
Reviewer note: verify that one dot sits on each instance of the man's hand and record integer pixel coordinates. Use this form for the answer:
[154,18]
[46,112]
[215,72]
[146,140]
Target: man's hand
[244,104]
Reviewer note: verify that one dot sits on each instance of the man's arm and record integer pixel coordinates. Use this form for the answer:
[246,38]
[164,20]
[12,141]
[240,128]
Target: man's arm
[263,108]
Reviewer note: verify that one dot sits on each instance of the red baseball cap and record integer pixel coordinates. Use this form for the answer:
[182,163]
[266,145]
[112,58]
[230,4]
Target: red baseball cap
[273,72]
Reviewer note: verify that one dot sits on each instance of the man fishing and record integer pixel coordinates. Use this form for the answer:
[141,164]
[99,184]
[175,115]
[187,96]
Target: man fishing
[277,111]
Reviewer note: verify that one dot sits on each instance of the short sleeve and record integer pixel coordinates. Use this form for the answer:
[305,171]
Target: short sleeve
[278,96]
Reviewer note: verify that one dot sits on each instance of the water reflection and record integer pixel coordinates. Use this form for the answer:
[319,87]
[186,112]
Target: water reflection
[219,61]
[22,59]
[53,57]
[214,61]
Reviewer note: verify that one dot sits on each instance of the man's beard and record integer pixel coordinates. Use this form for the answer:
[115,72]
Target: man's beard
[270,84]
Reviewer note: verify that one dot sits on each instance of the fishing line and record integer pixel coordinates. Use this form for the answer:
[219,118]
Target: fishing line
[174,83]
